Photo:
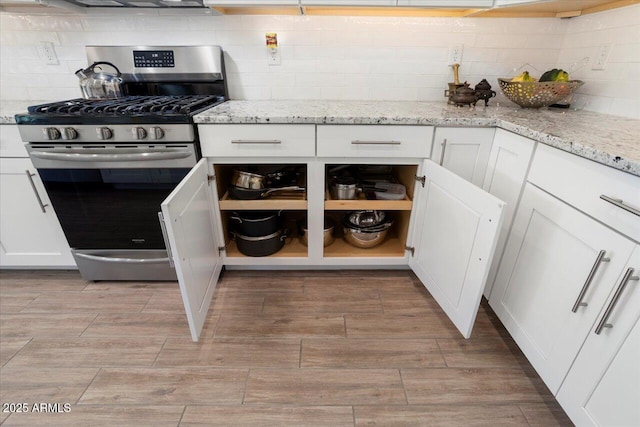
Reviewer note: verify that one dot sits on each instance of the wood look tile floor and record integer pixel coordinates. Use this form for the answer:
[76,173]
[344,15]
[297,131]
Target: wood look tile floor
[347,348]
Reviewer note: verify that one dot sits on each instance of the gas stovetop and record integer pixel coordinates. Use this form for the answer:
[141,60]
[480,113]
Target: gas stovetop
[126,110]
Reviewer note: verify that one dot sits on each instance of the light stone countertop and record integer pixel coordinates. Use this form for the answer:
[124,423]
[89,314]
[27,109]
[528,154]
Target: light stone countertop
[8,109]
[610,140]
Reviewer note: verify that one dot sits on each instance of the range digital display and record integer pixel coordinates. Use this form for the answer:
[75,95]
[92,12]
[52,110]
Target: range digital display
[153,59]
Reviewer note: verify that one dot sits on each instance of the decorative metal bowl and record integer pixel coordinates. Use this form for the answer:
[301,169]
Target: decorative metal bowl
[537,94]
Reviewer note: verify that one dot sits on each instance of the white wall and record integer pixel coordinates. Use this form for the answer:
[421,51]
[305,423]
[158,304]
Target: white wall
[616,89]
[360,58]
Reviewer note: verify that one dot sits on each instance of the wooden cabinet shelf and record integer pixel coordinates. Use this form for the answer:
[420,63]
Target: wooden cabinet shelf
[391,247]
[283,201]
[293,247]
[362,203]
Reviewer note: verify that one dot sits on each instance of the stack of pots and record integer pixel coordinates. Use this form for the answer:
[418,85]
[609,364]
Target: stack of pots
[327,236]
[258,233]
[366,229]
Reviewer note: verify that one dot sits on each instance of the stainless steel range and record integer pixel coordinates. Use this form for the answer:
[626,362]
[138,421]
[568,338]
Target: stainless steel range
[107,164]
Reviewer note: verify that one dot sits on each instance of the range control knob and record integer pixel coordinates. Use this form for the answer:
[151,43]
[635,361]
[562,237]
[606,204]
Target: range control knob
[69,133]
[104,133]
[139,133]
[51,133]
[156,133]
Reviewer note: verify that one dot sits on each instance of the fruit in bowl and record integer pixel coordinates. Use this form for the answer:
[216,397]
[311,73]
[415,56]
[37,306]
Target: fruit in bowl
[528,92]
[555,75]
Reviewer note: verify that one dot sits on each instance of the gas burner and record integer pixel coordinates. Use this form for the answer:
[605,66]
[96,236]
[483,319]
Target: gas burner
[130,105]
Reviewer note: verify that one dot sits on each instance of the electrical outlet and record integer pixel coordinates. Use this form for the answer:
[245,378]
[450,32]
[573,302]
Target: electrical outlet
[601,57]
[48,53]
[455,56]
[274,57]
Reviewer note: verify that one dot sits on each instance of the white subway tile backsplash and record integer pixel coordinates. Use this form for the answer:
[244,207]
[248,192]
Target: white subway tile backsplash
[625,52]
[337,57]
[269,24]
[118,23]
[343,66]
[344,93]
[232,22]
[249,92]
[27,38]
[629,107]
[295,92]
[393,94]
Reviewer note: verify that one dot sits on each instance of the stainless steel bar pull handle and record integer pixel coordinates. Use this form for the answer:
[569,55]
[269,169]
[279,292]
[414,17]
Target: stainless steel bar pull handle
[361,142]
[256,141]
[621,204]
[444,147]
[116,260]
[111,157]
[165,237]
[599,260]
[35,190]
[628,276]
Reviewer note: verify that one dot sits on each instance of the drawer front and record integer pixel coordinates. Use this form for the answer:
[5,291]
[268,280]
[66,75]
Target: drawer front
[257,140]
[374,141]
[11,144]
[582,183]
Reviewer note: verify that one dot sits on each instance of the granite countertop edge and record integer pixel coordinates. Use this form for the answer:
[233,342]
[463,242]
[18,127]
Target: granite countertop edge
[530,124]
[514,120]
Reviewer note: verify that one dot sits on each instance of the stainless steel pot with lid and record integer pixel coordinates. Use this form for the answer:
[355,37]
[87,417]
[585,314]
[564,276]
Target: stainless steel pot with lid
[95,83]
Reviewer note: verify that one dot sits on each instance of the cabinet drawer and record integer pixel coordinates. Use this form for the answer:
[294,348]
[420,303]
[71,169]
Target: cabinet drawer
[11,144]
[581,183]
[374,141]
[257,140]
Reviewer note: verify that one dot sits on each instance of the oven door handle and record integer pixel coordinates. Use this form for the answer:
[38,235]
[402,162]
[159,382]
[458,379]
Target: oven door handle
[76,156]
[123,260]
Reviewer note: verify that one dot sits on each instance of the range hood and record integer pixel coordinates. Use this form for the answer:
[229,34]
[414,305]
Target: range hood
[82,6]
[440,8]
[138,3]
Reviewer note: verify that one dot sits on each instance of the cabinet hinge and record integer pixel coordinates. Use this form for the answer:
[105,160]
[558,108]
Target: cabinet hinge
[221,249]
[210,178]
[410,249]
[422,179]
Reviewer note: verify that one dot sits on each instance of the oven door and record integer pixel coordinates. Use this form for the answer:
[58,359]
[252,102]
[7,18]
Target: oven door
[107,199]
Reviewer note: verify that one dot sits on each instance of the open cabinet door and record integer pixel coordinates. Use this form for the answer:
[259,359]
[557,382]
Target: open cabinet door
[454,238]
[190,228]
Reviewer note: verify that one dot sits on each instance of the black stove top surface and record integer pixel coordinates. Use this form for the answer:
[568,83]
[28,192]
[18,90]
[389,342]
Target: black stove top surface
[127,110]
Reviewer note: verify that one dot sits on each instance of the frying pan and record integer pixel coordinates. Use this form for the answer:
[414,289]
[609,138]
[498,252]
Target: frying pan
[240,193]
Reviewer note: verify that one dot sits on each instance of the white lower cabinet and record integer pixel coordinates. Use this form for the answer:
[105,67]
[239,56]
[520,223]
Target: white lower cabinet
[464,151]
[445,229]
[30,234]
[567,288]
[505,177]
[603,385]
[553,281]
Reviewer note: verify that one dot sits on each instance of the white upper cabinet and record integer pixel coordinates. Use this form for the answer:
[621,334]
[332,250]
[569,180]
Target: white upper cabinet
[249,3]
[372,3]
[364,3]
[504,3]
[447,3]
